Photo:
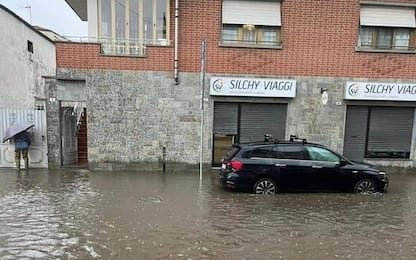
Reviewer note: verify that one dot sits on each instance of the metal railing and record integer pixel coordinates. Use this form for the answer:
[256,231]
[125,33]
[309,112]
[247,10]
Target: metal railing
[121,47]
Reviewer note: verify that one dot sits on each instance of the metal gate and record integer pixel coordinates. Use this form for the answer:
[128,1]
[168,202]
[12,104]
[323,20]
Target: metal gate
[69,136]
[38,150]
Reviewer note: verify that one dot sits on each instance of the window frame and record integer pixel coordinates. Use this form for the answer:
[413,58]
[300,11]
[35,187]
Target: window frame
[155,40]
[376,24]
[375,32]
[254,25]
[258,33]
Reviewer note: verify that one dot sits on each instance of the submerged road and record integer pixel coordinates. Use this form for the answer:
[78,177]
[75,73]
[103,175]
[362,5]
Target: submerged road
[78,214]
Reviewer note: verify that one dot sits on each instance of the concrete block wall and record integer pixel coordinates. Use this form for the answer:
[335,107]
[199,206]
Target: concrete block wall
[133,115]
[309,118]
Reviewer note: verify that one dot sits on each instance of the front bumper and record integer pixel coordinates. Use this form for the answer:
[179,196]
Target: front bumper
[384,184]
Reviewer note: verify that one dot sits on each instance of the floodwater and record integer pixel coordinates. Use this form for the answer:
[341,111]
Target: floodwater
[77,214]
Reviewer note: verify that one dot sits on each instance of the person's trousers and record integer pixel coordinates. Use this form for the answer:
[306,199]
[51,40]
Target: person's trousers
[24,153]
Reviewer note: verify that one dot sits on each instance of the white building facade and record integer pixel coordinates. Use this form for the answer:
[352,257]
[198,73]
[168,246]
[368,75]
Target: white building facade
[26,57]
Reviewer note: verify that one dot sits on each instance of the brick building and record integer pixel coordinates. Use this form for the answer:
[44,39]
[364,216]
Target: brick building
[341,73]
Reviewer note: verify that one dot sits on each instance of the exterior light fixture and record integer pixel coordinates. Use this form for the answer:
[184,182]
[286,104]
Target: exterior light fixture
[324,96]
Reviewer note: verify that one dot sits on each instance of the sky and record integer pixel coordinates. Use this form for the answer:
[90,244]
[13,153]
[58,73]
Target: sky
[55,15]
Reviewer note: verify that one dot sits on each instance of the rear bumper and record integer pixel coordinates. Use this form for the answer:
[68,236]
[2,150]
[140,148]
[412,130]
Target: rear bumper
[233,181]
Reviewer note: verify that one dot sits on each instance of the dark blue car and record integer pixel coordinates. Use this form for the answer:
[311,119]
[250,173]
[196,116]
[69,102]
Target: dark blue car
[296,165]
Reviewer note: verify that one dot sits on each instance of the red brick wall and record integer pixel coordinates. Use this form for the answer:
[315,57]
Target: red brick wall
[319,39]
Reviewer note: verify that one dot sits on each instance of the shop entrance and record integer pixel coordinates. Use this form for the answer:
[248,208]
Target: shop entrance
[245,122]
[378,132]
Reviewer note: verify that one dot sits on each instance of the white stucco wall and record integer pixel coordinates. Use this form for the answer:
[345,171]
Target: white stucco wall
[21,71]
[92,9]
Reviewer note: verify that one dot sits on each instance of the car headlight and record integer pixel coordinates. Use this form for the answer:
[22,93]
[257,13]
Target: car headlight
[382,173]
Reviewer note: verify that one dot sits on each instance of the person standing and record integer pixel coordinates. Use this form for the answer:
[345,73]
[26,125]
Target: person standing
[22,142]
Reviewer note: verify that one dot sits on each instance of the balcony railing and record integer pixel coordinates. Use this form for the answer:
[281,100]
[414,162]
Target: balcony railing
[121,47]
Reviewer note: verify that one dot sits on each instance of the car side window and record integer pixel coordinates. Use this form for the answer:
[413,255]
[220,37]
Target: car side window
[260,152]
[321,154]
[295,152]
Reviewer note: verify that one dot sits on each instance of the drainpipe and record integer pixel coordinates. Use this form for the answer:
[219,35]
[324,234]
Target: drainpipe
[176,42]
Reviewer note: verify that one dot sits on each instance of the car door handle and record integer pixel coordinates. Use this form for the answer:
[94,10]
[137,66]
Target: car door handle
[280,165]
[317,166]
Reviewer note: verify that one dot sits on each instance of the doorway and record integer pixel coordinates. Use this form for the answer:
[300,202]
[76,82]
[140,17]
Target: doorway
[74,135]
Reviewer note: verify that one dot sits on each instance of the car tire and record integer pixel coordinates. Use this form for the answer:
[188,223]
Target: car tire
[365,186]
[265,186]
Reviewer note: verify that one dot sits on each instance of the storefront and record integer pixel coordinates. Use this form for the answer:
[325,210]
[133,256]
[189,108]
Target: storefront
[380,121]
[242,115]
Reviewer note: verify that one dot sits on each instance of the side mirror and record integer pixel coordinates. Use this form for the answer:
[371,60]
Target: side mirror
[342,162]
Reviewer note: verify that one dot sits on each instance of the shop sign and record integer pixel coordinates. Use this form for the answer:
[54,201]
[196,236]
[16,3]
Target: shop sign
[380,91]
[252,87]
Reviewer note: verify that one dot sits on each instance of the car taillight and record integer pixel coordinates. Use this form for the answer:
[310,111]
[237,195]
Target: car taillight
[236,165]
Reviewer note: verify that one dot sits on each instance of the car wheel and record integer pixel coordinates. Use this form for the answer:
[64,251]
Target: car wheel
[365,187]
[265,186]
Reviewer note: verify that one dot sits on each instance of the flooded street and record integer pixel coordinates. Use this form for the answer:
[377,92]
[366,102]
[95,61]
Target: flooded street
[77,214]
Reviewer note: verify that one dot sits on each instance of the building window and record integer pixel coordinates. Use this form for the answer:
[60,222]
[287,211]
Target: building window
[145,21]
[251,23]
[30,46]
[387,28]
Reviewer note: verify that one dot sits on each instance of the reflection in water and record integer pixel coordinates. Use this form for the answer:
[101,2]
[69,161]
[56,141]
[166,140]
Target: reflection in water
[150,215]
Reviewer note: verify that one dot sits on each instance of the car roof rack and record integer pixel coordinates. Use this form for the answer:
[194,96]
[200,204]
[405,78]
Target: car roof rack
[295,138]
[270,138]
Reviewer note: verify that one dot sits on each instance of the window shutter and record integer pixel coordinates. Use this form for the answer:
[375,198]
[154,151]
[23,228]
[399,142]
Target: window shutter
[388,16]
[251,12]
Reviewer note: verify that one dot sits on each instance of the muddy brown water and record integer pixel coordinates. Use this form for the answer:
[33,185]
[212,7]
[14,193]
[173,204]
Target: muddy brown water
[77,214]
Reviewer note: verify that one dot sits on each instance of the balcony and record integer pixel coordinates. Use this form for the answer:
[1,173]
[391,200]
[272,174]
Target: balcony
[121,47]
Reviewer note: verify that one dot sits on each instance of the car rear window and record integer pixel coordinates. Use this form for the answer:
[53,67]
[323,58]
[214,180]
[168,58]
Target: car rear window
[230,154]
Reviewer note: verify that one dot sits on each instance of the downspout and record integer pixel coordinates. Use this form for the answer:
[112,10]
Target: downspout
[176,42]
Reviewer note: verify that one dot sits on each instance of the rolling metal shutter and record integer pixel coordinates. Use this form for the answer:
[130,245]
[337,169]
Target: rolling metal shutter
[258,119]
[225,118]
[390,16]
[251,12]
[355,132]
[390,129]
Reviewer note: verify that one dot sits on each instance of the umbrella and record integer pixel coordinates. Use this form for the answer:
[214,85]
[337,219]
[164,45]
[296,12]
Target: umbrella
[15,129]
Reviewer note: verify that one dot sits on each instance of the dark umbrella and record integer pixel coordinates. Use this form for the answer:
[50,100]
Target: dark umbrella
[15,129]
